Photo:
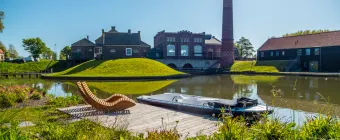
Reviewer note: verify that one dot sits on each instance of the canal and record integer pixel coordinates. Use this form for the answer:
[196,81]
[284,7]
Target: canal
[294,97]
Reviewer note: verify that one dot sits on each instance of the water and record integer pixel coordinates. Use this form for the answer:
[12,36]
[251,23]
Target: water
[294,97]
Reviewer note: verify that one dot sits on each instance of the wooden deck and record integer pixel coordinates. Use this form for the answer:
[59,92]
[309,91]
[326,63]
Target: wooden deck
[141,118]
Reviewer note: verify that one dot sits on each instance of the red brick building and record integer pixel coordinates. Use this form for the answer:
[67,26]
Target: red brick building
[110,45]
[186,45]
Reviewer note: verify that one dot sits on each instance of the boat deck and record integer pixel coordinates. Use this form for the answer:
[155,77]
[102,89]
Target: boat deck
[142,118]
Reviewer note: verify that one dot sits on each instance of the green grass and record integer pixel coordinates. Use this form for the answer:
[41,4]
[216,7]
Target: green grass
[134,67]
[40,66]
[258,66]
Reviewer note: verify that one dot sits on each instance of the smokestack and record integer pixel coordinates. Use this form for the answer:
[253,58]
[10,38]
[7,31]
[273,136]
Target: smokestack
[113,27]
[129,31]
[227,51]
[103,35]
[87,37]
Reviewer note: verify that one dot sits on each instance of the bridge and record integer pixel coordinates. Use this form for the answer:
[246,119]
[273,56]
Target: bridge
[189,63]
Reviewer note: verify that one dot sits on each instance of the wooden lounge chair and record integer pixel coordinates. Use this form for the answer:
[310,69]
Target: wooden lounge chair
[112,98]
[119,104]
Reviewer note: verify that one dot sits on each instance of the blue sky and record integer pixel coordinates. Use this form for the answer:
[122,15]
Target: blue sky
[63,22]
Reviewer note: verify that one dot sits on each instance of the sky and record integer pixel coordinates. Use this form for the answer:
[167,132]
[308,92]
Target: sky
[62,22]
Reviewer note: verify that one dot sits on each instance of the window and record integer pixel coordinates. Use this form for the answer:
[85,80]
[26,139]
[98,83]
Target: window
[283,53]
[112,50]
[307,51]
[184,39]
[316,51]
[197,39]
[299,52]
[277,53]
[128,51]
[218,53]
[184,50]
[271,53]
[90,50]
[198,50]
[98,50]
[262,54]
[78,50]
[171,50]
[170,39]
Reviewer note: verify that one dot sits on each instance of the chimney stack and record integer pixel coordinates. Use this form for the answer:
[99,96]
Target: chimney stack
[227,53]
[129,31]
[103,35]
[87,37]
[113,27]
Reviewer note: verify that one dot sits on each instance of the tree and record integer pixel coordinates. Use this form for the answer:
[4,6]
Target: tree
[12,52]
[35,46]
[244,47]
[47,54]
[66,51]
[2,16]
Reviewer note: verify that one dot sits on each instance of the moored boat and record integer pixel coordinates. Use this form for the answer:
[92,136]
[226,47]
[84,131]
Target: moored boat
[206,105]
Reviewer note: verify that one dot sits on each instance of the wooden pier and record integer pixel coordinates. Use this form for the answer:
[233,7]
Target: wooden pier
[142,118]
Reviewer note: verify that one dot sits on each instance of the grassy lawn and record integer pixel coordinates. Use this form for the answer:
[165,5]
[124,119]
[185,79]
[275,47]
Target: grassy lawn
[258,66]
[134,67]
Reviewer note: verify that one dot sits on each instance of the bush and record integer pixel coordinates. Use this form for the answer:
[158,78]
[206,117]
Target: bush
[35,96]
[20,97]
[64,101]
[322,127]
[6,101]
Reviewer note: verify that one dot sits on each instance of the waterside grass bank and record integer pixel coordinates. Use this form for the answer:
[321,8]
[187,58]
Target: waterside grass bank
[33,67]
[120,69]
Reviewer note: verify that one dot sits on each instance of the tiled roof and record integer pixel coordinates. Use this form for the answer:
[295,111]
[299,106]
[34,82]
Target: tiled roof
[304,41]
[112,38]
[83,42]
[1,51]
[145,44]
[213,41]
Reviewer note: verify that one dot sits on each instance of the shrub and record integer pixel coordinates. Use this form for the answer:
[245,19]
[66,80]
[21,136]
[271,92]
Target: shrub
[321,127]
[270,129]
[6,101]
[35,96]
[20,97]
[64,101]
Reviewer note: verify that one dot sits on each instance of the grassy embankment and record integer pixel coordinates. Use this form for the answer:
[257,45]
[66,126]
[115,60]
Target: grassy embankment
[134,67]
[40,66]
[258,66]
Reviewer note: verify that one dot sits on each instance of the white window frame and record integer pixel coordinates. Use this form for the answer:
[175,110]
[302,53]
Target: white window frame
[112,50]
[315,51]
[277,53]
[271,53]
[308,50]
[283,53]
[126,51]
[100,50]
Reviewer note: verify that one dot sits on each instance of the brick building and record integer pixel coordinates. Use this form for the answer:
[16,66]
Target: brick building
[110,45]
[186,45]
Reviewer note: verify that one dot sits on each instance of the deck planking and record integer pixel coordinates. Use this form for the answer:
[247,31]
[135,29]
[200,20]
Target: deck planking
[142,118]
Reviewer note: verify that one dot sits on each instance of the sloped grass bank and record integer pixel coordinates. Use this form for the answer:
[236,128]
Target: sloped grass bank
[134,67]
[258,66]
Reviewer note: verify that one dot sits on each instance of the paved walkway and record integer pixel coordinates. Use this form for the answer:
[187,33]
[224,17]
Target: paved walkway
[142,118]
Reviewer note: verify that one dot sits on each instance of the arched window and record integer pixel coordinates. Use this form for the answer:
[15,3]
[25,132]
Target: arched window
[171,50]
[135,51]
[184,50]
[198,50]
[112,50]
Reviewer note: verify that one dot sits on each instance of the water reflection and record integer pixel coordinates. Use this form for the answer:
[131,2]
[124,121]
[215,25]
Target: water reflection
[296,97]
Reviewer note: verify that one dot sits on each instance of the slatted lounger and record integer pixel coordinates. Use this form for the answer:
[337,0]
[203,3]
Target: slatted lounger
[119,104]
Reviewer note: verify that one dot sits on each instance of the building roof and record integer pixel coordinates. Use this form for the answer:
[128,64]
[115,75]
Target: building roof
[326,39]
[83,42]
[145,44]
[1,52]
[213,41]
[117,38]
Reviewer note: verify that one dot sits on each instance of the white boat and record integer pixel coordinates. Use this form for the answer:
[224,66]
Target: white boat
[206,105]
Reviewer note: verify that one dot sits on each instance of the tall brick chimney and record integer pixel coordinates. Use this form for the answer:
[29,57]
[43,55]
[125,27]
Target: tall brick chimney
[227,51]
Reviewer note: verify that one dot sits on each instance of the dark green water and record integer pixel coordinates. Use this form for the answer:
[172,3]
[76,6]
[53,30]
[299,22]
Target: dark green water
[294,97]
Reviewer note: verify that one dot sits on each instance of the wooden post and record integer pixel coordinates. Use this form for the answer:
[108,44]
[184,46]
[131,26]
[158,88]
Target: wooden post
[29,76]
[22,75]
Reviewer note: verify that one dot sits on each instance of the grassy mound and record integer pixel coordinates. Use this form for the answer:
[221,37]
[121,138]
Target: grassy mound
[259,66]
[134,67]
